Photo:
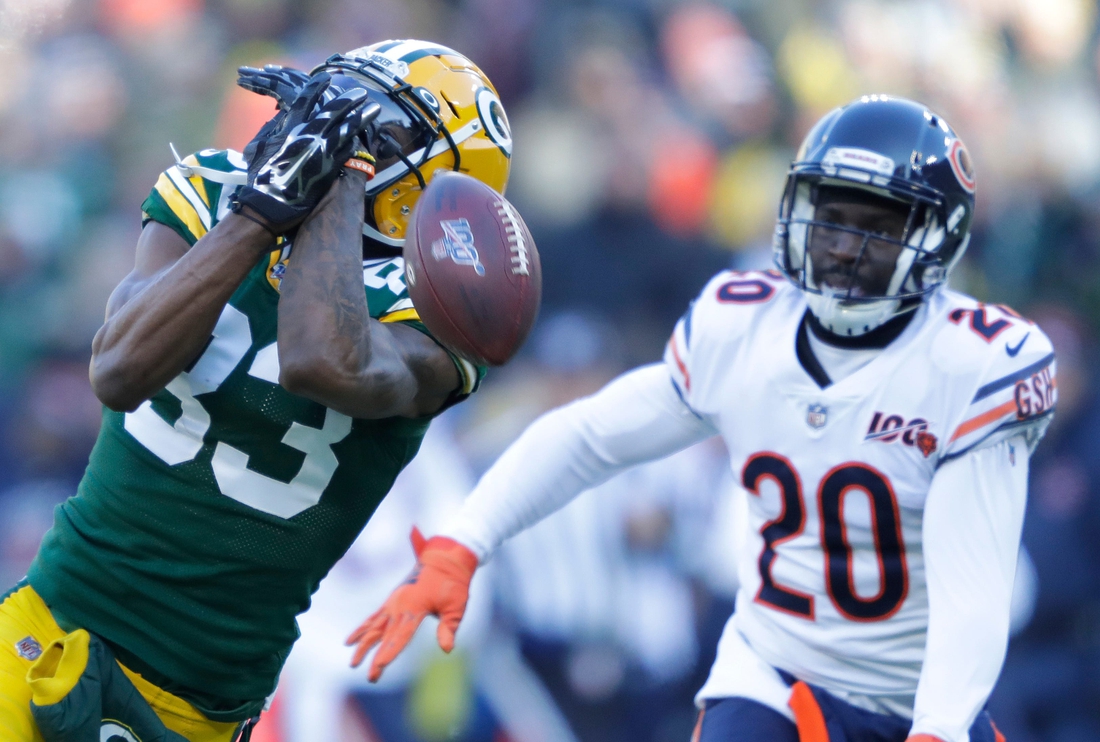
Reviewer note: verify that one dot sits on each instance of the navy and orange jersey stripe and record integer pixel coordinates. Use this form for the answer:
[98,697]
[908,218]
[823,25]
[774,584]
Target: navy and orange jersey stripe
[1010,403]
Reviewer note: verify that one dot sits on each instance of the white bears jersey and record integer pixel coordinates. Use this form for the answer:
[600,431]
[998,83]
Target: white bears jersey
[832,573]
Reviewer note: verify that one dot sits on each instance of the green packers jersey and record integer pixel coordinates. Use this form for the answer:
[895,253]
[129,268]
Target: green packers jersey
[208,516]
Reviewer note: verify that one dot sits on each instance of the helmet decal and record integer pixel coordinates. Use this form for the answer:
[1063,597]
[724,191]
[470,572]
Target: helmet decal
[491,113]
[961,165]
[863,159]
[391,66]
[113,730]
[429,100]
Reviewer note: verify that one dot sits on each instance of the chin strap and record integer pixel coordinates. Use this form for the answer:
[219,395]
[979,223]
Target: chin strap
[237,177]
[372,233]
[851,321]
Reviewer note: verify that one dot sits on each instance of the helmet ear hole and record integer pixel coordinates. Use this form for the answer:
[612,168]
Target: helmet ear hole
[450,104]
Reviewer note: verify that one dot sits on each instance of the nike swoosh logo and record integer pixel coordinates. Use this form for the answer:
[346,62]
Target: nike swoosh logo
[1013,351]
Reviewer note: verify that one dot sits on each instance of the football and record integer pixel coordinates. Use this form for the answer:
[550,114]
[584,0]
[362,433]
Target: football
[472,269]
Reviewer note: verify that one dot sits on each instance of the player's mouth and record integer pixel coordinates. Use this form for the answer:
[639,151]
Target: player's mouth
[842,286]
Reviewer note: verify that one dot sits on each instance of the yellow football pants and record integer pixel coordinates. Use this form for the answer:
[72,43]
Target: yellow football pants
[24,616]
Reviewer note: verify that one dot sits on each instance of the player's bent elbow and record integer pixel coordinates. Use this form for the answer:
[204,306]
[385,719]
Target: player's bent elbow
[300,376]
[378,393]
[114,387]
[307,371]
[368,394]
[117,397]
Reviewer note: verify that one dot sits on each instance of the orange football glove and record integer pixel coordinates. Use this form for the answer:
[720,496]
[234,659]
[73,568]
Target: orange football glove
[438,585]
[923,738]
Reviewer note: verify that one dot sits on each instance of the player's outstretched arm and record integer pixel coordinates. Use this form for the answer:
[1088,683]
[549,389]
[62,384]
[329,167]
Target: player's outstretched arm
[330,349]
[636,418]
[160,316]
[971,537]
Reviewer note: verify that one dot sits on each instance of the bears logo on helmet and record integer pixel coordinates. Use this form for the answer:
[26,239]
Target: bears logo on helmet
[960,165]
[903,153]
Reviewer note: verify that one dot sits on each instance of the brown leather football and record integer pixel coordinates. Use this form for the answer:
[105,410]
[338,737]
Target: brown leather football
[472,269]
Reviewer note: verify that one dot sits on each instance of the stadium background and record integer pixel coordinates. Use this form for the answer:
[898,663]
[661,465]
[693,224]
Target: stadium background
[651,138]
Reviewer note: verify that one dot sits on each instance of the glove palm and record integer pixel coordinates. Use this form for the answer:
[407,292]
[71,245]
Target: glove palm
[439,585]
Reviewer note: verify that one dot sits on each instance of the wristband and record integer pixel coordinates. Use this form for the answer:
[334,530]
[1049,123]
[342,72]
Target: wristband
[238,208]
[362,161]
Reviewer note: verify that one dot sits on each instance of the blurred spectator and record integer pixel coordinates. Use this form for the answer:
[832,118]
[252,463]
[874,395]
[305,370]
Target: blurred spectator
[722,71]
[26,513]
[54,424]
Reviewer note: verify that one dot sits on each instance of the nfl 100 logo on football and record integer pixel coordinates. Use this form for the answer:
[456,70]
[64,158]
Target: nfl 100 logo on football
[890,428]
[458,244]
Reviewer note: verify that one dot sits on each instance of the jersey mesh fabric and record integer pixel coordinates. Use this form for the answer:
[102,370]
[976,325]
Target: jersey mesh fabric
[166,559]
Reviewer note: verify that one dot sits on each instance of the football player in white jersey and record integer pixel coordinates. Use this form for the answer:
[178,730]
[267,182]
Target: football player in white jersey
[880,424]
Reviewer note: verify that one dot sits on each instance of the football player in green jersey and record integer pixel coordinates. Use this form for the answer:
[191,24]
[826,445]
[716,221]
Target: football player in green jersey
[259,401]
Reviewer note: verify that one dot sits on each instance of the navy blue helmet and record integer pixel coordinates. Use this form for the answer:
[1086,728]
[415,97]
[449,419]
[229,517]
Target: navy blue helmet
[896,149]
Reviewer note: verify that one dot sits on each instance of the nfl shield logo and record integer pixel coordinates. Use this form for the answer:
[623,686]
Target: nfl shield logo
[29,648]
[816,416]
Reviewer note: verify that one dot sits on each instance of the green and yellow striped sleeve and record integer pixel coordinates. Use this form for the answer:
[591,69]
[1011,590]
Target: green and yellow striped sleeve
[182,201]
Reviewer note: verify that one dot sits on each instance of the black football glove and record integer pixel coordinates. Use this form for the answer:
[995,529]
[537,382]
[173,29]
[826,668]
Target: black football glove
[296,156]
[281,83]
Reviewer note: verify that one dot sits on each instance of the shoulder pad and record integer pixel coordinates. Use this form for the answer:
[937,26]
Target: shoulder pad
[192,195]
[720,314]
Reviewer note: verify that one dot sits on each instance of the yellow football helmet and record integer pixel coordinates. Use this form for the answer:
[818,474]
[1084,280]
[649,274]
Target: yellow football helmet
[439,111]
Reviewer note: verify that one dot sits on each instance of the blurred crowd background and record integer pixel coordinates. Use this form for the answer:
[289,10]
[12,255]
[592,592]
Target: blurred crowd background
[651,141]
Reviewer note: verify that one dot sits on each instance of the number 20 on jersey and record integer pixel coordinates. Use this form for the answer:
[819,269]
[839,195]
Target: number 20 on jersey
[839,579]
